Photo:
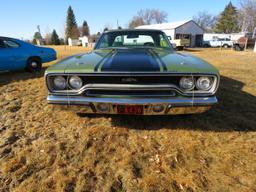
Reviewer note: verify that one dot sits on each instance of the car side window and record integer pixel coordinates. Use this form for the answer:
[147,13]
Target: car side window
[2,44]
[11,44]
[104,42]
[163,42]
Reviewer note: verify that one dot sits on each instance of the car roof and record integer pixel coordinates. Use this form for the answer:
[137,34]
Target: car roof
[1,37]
[135,30]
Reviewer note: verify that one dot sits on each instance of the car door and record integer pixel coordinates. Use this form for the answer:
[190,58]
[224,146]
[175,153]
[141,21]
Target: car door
[219,42]
[5,57]
[17,54]
[213,43]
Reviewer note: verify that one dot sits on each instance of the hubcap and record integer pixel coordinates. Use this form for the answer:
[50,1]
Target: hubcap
[34,64]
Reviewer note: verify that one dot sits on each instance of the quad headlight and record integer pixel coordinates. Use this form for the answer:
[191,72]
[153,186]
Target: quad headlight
[204,83]
[75,82]
[59,82]
[187,83]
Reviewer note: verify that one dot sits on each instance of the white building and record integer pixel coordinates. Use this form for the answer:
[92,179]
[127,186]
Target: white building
[180,30]
[82,41]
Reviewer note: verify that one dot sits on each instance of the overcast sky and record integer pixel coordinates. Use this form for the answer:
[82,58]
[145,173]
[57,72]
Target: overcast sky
[19,18]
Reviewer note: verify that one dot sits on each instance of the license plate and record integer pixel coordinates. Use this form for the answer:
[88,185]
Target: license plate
[130,109]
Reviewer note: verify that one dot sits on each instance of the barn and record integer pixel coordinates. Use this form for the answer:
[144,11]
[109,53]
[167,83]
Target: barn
[180,30]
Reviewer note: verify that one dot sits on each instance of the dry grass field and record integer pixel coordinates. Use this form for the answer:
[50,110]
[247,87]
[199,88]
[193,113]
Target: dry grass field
[44,148]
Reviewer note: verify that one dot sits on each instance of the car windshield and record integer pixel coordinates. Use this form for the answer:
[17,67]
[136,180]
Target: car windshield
[133,39]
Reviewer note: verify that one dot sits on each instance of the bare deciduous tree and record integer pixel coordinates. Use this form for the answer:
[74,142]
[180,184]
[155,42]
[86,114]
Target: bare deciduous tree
[151,16]
[247,15]
[205,20]
[146,16]
[75,33]
[159,16]
[135,22]
[107,27]
[47,38]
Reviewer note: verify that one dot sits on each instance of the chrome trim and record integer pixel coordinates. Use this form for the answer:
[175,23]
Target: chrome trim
[171,106]
[130,87]
[79,100]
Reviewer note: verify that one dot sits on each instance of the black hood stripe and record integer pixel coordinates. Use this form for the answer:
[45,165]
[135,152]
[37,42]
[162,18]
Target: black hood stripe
[108,61]
[160,59]
[103,60]
[131,60]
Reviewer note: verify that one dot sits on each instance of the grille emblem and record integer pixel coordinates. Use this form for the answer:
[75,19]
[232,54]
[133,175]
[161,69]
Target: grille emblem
[129,80]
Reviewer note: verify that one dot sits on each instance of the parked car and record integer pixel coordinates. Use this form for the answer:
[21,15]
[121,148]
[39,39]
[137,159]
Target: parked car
[219,42]
[122,76]
[179,44]
[247,41]
[16,54]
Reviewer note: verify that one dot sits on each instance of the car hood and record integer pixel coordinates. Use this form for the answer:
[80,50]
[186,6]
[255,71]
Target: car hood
[132,60]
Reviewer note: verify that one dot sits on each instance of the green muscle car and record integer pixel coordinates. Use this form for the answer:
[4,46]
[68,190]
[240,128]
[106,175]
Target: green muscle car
[133,72]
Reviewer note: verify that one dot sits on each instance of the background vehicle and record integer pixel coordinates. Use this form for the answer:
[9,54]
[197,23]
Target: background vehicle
[219,42]
[179,44]
[16,54]
[173,44]
[248,41]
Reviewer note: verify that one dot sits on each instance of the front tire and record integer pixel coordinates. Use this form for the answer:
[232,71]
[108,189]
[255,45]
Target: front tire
[179,48]
[34,64]
[237,47]
[225,46]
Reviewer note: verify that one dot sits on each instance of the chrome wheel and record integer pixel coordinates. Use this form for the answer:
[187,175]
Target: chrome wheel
[34,64]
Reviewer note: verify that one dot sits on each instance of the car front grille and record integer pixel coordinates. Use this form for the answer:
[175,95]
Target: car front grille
[132,79]
[148,86]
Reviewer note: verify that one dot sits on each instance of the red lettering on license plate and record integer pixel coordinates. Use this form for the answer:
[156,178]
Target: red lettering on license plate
[130,109]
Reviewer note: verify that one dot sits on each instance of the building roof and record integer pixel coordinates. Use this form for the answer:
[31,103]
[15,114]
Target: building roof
[163,26]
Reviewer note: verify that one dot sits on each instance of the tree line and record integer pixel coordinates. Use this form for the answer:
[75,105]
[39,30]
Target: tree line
[230,20]
[72,30]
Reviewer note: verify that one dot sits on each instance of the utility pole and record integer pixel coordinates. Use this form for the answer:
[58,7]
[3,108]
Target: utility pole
[254,36]
[117,23]
[38,28]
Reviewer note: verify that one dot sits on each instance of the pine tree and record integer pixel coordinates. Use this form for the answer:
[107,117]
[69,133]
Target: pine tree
[85,30]
[228,21]
[71,25]
[55,38]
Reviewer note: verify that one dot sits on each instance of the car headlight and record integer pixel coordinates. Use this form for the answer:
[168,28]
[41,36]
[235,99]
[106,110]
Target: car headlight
[75,82]
[187,83]
[204,83]
[59,82]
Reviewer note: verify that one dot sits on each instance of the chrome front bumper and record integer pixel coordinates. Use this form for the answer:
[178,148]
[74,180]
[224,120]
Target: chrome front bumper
[176,105]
